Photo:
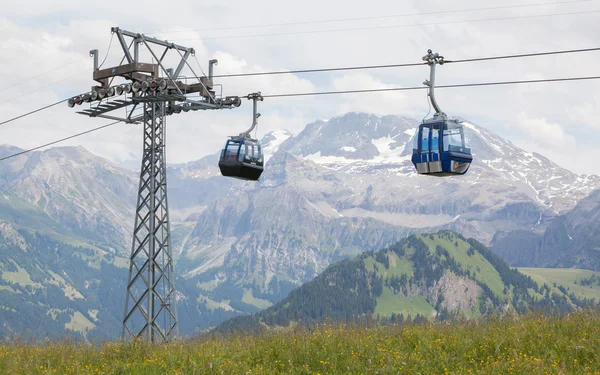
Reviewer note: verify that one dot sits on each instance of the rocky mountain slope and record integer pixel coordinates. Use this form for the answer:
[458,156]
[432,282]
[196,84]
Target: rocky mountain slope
[571,240]
[88,195]
[431,276]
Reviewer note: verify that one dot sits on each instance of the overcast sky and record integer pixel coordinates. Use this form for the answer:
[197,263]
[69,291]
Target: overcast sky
[45,46]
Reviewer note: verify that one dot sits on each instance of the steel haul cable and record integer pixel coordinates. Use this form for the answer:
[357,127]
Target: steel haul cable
[58,141]
[32,112]
[550,80]
[367,67]
[376,17]
[437,87]
[479,59]
[393,26]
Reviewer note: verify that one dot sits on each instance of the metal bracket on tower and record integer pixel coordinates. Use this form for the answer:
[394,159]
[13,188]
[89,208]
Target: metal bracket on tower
[432,59]
[211,64]
[162,83]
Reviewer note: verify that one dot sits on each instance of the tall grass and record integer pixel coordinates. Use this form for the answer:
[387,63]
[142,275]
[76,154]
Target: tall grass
[532,344]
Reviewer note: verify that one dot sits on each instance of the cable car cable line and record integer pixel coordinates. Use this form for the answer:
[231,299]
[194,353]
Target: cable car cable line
[390,26]
[58,141]
[441,86]
[534,54]
[328,93]
[32,112]
[373,17]
[369,90]
[39,75]
[366,67]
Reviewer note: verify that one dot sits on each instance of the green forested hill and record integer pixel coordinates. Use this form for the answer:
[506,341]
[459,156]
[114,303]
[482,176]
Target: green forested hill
[432,276]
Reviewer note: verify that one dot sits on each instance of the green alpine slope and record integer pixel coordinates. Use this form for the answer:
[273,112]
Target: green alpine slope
[426,276]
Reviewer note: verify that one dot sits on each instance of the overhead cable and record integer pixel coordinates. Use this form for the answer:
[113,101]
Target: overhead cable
[32,112]
[390,26]
[523,55]
[338,93]
[365,67]
[437,87]
[58,141]
[42,87]
[38,75]
[352,68]
[373,17]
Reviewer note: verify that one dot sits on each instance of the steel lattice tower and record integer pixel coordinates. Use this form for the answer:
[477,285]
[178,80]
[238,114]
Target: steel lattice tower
[150,307]
[151,299]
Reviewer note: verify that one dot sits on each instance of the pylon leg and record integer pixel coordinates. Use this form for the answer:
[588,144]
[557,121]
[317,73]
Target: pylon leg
[150,306]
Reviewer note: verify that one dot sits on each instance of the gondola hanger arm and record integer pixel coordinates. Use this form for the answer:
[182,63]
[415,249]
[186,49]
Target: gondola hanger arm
[255,97]
[432,59]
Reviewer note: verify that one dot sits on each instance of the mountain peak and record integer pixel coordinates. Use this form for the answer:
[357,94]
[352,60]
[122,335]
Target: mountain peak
[353,137]
[6,150]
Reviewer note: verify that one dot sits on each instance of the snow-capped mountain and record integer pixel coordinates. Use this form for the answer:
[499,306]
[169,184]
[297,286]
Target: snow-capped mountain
[366,144]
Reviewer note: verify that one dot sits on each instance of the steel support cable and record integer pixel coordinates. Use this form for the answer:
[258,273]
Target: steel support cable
[32,112]
[58,141]
[375,17]
[354,68]
[437,87]
[366,67]
[42,87]
[52,83]
[338,93]
[523,55]
[56,68]
[391,26]
[39,75]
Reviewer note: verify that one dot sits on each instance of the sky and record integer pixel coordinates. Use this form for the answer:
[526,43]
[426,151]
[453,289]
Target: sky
[45,58]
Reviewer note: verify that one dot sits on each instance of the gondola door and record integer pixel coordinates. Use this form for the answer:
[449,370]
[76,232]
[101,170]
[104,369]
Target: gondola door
[423,160]
[435,163]
[429,149]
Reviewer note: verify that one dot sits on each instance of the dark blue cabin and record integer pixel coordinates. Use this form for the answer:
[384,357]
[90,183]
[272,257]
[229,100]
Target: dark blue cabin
[440,148]
[242,158]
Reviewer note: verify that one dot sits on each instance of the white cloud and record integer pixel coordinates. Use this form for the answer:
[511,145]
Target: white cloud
[546,134]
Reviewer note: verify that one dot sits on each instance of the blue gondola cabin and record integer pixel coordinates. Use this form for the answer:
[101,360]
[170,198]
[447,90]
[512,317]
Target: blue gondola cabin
[440,148]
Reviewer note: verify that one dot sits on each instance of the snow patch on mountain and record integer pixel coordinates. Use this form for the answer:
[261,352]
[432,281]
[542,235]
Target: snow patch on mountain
[272,140]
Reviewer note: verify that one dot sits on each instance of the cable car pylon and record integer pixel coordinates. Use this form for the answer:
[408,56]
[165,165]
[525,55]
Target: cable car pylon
[150,93]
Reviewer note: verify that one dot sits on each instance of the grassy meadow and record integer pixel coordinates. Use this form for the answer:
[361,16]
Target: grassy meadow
[567,277]
[533,344]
